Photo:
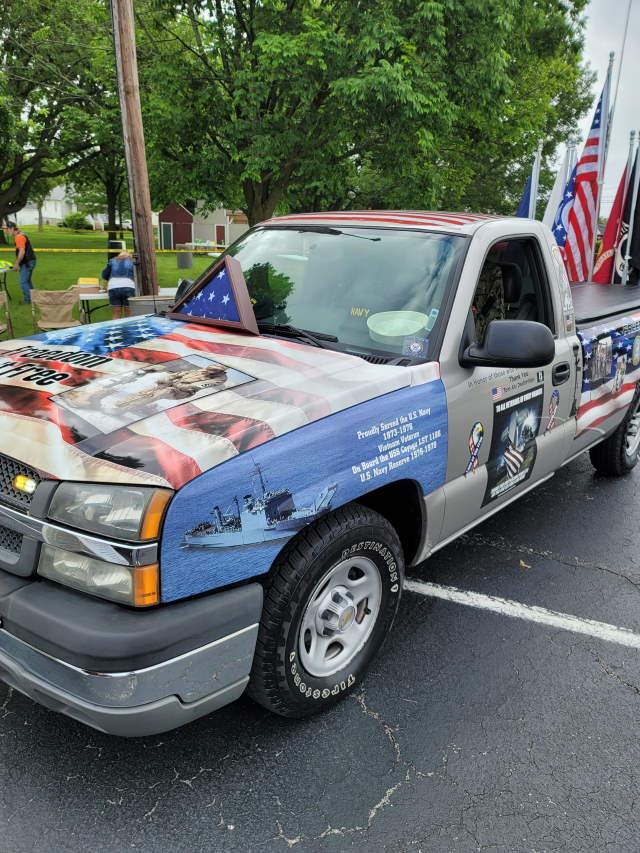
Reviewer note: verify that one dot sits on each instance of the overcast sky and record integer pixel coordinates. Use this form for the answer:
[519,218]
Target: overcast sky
[605,27]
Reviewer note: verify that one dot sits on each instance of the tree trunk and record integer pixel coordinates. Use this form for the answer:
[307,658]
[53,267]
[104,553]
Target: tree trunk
[261,199]
[40,219]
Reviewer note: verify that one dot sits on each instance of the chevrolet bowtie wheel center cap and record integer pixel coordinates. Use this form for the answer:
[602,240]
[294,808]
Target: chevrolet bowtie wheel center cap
[336,613]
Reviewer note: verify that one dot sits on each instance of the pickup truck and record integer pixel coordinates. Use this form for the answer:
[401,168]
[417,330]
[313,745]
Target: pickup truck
[224,497]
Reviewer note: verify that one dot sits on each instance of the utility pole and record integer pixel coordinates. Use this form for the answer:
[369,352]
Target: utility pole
[133,134]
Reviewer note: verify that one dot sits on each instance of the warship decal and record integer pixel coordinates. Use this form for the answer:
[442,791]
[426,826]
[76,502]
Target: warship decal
[263,515]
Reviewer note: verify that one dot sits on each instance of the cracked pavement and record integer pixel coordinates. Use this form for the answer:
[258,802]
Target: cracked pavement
[472,731]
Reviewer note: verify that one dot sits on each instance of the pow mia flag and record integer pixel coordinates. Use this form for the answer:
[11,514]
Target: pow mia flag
[629,231]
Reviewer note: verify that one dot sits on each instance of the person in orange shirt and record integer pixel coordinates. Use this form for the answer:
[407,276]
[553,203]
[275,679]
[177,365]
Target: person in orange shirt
[25,260]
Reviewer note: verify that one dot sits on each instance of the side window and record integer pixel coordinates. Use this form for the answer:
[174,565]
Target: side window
[512,286]
[488,300]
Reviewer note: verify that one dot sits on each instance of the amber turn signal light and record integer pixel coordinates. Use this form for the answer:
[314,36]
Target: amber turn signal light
[146,585]
[153,514]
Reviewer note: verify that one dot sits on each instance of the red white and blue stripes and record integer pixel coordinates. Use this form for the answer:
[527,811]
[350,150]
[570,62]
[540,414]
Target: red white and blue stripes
[583,216]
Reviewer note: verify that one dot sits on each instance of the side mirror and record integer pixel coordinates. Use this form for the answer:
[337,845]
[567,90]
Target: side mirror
[512,343]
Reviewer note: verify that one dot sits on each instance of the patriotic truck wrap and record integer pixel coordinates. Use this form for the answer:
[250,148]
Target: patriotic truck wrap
[224,497]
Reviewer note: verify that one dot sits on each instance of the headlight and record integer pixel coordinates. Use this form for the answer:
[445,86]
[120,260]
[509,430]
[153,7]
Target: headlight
[133,513]
[137,585]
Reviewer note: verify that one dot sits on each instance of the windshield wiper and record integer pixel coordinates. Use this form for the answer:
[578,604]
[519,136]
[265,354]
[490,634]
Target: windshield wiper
[318,339]
[336,232]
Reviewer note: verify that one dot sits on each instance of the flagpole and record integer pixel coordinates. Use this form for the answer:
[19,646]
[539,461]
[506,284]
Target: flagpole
[574,159]
[627,178]
[624,42]
[633,133]
[569,162]
[535,181]
[604,138]
[632,216]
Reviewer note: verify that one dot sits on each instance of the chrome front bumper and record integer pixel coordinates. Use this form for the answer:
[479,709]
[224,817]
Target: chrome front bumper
[137,703]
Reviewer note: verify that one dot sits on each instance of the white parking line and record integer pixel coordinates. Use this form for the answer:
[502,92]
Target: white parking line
[600,630]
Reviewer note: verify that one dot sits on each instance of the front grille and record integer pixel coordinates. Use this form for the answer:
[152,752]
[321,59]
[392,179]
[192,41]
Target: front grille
[10,540]
[9,468]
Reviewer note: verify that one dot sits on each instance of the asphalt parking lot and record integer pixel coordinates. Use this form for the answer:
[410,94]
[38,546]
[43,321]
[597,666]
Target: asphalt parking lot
[474,730]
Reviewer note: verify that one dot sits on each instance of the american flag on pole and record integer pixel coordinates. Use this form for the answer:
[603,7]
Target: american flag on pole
[561,222]
[584,212]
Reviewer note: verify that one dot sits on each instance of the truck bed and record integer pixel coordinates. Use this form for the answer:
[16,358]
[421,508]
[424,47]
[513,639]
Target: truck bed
[595,302]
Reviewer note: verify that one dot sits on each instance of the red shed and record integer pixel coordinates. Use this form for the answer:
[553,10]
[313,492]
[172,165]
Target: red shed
[175,225]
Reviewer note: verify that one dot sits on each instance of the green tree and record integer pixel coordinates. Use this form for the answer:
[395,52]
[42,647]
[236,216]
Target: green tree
[548,91]
[534,89]
[276,92]
[99,184]
[50,91]
[40,191]
[296,104]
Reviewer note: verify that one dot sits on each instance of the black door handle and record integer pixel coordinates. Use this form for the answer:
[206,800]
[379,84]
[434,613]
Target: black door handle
[560,373]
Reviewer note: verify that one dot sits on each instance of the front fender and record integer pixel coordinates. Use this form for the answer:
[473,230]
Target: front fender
[230,523]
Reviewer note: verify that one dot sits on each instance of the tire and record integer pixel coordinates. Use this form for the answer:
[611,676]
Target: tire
[618,454]
[319,631]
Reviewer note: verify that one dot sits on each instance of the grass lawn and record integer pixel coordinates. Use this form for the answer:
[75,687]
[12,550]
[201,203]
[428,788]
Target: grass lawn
[57,271]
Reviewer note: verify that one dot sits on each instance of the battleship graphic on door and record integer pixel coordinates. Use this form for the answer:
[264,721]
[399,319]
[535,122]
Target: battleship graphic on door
[262,515]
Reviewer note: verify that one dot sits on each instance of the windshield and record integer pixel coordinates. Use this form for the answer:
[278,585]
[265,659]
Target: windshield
[377,290]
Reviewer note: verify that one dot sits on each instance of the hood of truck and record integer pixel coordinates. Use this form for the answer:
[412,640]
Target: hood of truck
[155,401]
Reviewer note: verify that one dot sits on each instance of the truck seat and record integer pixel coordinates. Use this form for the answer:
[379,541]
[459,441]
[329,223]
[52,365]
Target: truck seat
[518,307]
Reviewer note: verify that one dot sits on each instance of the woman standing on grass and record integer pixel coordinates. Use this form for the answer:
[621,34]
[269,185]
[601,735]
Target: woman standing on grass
[119,275]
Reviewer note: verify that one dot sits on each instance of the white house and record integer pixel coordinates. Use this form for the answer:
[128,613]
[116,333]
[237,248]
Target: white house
[54,209]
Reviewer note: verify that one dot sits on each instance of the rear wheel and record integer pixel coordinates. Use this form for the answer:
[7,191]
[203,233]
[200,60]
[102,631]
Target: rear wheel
[330,601]
[618,454]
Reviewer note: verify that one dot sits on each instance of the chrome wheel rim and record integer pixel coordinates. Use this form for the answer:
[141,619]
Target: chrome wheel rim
[632,435]
[340,616]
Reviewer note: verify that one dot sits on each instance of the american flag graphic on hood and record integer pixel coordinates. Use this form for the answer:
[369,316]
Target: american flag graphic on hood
[155,401]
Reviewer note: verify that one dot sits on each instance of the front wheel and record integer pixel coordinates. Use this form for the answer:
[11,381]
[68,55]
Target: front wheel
[330,601]
[618,454]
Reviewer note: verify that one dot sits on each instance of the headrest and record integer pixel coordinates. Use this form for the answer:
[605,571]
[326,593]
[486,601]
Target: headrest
[512,282]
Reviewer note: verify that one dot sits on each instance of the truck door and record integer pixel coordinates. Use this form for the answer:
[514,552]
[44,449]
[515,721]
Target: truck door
[509,428]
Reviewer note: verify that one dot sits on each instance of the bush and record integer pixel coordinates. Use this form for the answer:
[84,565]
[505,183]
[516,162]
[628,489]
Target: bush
[77,221]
